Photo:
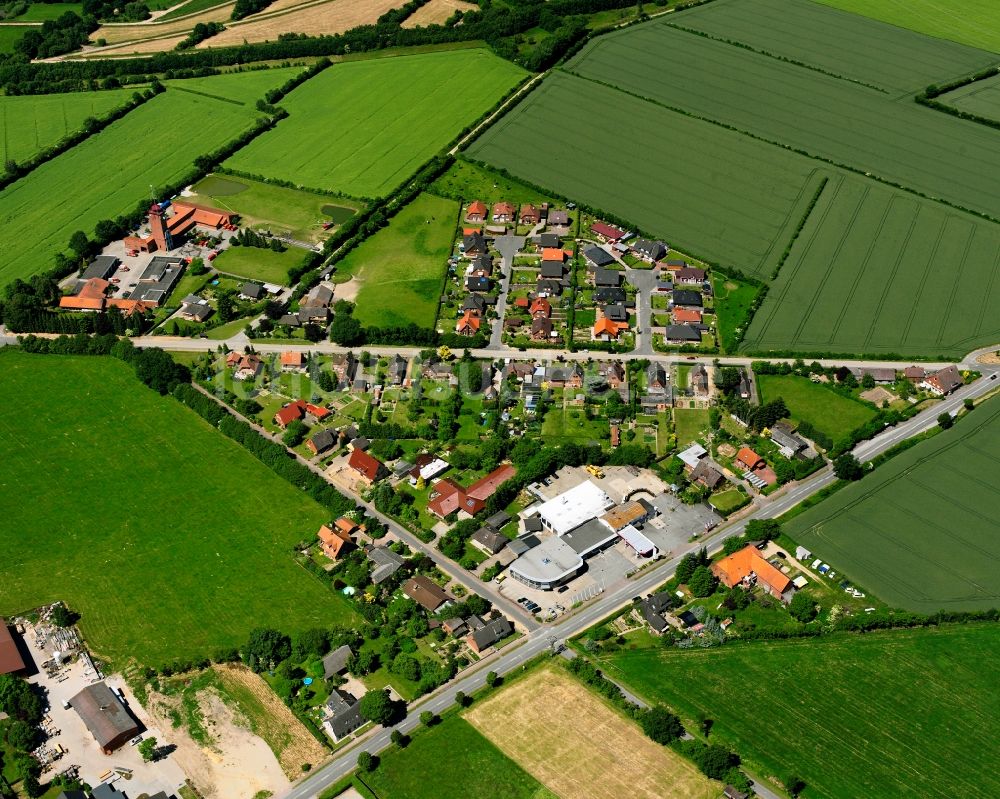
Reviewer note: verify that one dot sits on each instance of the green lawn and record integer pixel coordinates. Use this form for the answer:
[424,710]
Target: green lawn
[170,540]
[823,408]
[467,181]
[228,329]
[690,424]
[40,12]
[401,267]
[11,35]
[920,531]
[728,501]
[363,127]
[108,175]
[889,714]
[572,425]
[451,761]
[258,263]
[29,123]
[733,299]
[972,22]
[298,214]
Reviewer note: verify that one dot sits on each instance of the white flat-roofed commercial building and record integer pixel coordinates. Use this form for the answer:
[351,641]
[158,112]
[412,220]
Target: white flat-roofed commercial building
[574,507]
[638,542]
[551,563]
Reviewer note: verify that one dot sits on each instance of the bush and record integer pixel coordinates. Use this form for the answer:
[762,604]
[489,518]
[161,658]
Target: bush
[802,607]
[661,725]
[846,467]
[702,582]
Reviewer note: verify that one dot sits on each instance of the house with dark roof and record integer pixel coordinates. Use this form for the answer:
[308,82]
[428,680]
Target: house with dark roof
[649,251]
[475,303]
[343,715]
[682,334]
[653,608]
[548,287]
[610,296]
[11,661]
[488,540]
[598,256]
[944,381]
[473,245]
[385,563]
[103,267]
[426,593]
[105,716]
[607,278]
[689,276]
[477,283]
[558,218]
[706,475]
[656,377]
[397,369]
[552,269]
[335,662]
[485,637]
[482,266]
[322,442]
[370,469]
[251,291]
[686,298]
[541,328]
[546,240]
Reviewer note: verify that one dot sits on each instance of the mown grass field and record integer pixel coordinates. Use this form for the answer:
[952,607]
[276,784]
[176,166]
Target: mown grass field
[258,263]
[451,760]
[889,714]
[170,540]
[921,531]
[824,409]
[981,97]
[10,35]
[30,123]
[690,424]
[577,745]
[711,192]
[108,175]
[299,214]
[401,268]
[882,56]
[39,12]
[972,22]
[876,270]
[825,116]
[363,127]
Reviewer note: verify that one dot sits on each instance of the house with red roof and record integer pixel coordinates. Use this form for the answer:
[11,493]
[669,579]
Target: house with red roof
[540,308]
[748,568]
[686,316]
[335,540]
[529,215]
[469,324]
[293,361]
[369,468]
[449,497]
[607,329]
[606,232]
[504,212]
[476,212]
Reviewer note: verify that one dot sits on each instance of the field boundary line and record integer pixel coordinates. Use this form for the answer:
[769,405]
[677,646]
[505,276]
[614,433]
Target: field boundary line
[923,281]
[207,94]
[986,295]
[864,267]
[890,279]
[803,219]
[776,57]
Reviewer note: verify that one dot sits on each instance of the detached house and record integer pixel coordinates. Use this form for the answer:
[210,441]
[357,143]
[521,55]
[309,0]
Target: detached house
[245,366]
[686,299]
[468,324]
[540,308]
[337,539]
[541,328]
[293,362]
[649,251]
[682,334]
[688,276]
[746,567]
[606,232]
[368,468]
[943,382]
[476,212]
[473,245]
[598,256]
[504,212]
[608,330]
[529,215]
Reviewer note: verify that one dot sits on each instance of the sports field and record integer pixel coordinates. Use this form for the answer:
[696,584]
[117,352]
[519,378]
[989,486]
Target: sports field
[33,122]
[298,214]
[972,22]
[824,116]
[363,127]
[710,191]
[824,409]
[579,747]
[891,714]
[108,175]
[242,87]
[876,270]
[891,59]
[981,97]
[921,532]
[400,270]
[451,761]
[170,540]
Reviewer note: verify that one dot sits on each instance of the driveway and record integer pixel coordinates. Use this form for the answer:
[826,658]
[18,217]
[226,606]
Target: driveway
[508,247]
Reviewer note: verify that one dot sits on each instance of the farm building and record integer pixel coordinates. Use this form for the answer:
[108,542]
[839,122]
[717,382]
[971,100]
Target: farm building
[943,381]
[164,232]
[747,567]
[105,716]
[11,661]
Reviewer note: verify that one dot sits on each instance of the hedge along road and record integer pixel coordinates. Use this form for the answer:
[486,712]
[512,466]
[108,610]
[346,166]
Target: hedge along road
[542,639]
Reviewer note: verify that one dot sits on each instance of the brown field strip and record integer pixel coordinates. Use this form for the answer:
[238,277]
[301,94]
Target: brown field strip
[114,34]
[322,19]
[436,12]
[580,748]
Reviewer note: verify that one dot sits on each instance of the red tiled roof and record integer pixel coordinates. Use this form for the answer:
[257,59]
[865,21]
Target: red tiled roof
[292,359]
[290,412]
[605,325]
[607,231]
[476,208]
[748,457]
[469,321]
[542,306]
[450,497]
[735,568]
[365,464]
[682,315]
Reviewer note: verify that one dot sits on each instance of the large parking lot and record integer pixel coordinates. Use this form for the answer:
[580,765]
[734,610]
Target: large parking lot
[70,744]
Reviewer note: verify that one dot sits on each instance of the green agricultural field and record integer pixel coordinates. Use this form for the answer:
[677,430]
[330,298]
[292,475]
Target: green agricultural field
[981,97]
[920,532]
[9,36]
[865,276]
[401,268]
[892,59]
[972,22]
[475,767]
[887,714]
[156,540]
[40,12]
[258,263]
[108,175]
[824,116]
[298,214]
[190,7]
[33,122]
[239,87]
[823,408]
[363,127]
[712,192]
